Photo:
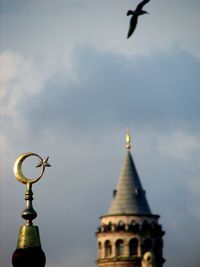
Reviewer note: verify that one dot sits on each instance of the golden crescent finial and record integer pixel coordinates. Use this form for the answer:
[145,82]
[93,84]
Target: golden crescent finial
[128,139]
[18,168]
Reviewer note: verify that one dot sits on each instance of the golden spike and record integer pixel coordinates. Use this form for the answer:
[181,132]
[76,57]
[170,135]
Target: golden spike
[128,139]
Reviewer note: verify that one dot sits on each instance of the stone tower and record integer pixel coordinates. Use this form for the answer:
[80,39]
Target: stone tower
[129,234]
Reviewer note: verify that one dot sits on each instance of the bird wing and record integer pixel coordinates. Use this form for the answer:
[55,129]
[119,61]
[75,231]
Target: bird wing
[140,5]
[133,23]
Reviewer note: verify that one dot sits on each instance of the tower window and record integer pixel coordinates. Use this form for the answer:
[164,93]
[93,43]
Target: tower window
[120,226]
[133,247]
[119,247]
[99,245]
[108,248]
[146,245]
[134,227]
[99,250]
[146,227]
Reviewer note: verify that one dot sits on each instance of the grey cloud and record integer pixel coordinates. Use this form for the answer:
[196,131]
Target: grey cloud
[161,90]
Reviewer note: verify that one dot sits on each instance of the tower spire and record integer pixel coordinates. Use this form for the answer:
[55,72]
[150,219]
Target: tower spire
[128,139]
[129,234]
[129,196]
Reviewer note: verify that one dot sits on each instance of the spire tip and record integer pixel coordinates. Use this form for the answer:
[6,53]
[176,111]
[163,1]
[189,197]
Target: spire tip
[128,139]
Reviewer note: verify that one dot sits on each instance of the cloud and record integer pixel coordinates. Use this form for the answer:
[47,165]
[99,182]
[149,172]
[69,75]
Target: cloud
[195,187]
[184,146]
[112,89]
[62,26]
[20,81]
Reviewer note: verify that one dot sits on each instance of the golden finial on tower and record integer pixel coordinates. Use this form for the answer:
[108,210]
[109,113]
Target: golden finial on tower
[128,139]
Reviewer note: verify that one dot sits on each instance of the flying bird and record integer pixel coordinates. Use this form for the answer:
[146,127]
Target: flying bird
[43,162]
[135,14]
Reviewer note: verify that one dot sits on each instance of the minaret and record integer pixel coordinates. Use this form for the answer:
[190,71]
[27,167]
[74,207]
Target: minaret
[129,234]
[29,251]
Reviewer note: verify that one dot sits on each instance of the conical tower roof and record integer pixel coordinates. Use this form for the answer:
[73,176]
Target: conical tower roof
[129,196]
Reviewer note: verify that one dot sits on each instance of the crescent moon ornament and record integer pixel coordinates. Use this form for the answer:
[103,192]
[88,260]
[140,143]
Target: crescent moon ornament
[18,168]
[29,234]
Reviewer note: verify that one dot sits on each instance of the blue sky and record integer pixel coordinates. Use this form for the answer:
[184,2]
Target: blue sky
[70,85]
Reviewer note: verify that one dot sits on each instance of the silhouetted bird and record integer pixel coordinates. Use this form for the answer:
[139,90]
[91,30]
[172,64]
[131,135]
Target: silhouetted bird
[135,14]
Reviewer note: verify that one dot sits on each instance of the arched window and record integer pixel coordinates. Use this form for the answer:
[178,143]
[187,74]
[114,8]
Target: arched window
[119,247]
[133,247]
[108,248]
[99,249]
[109,227]
[146,227]
[120,226]
[146,245]
[120,223]
[133,222]
[134,227]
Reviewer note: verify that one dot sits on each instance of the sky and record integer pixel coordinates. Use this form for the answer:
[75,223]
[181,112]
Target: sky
[71,83]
